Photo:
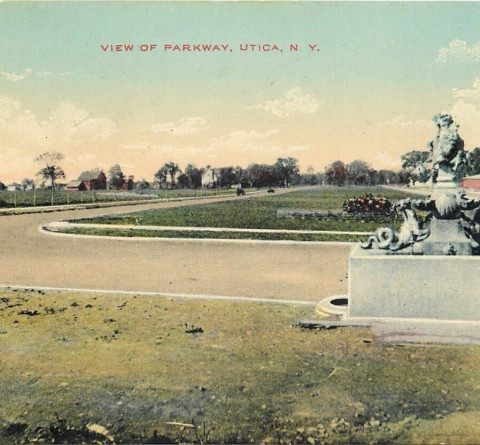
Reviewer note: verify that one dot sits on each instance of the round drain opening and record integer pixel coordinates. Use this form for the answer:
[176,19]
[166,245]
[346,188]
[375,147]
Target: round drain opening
[334,305]
[339,302]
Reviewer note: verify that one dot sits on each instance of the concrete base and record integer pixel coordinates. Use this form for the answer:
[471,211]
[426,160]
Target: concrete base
[425,331]
[415,298]
[446,229]
[413,286]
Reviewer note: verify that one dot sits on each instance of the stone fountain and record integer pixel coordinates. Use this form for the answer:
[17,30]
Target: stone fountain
[422,283]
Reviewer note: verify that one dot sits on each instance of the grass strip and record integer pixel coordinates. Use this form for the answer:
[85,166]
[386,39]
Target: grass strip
[129,233]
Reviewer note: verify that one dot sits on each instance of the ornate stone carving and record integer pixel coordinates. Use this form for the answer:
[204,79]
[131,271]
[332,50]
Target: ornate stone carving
[453,230]
[410,231]
[447,154]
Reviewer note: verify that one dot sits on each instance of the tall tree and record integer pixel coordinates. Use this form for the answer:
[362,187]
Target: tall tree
[161,175]
[473,164]
[336,173]
[261,175]
[358,173]
[183,181]
[387,177]
[116,176]
[172,170]
[286,168]
[194,176]
[309,177]
[169,168]
[51,171]
[28,183]
[227,177]
[414,158]
[413,164]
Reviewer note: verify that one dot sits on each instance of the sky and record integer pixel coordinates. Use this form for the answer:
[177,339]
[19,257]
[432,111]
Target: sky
[317,81]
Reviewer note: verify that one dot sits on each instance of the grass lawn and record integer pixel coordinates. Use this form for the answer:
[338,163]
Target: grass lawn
[132,369]
[43,197]
[259,213]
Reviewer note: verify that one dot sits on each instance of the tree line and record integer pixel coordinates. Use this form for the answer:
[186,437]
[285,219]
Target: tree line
[414,168]
[415,164]
[359,172]
[284,172]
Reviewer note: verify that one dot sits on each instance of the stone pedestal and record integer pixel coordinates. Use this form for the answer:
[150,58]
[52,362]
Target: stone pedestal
[413,286]
[447,237]
[417,296]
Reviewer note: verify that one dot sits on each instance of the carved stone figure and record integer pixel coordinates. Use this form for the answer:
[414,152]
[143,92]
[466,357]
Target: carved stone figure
[410,231]
[447,205]
[447,153]
[455,219]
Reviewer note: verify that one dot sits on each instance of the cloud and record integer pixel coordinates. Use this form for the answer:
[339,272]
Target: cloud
[233,148]
[69,129]
[297,148]
[14,77]
[242,141]
[85,157]
[473,93]
[240,145]
[294,102]
[186,126]
[8,105]
[459,51]
[149,147]
[75,123]
[137,146]
[385,160]
[401,122]
[52,75]
[467,115]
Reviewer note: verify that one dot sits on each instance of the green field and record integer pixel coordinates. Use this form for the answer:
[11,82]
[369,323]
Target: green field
[98,368]
[43,197]
[255,213]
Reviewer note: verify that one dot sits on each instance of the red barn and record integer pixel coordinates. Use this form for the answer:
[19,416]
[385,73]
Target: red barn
[471,182]
[93,180]
[76,186]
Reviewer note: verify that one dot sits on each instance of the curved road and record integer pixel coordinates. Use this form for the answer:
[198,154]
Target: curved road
[297,271]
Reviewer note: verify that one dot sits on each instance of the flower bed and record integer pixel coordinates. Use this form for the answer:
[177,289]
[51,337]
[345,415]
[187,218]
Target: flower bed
[368,205]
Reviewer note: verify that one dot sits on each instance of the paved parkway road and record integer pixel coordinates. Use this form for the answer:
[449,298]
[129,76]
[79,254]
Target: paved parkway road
[299,271]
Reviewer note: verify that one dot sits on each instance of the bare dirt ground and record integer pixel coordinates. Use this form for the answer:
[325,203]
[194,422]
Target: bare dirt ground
[78,368]
[261,270]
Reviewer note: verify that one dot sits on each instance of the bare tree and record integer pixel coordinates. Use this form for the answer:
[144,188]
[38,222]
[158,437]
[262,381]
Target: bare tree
[51,170]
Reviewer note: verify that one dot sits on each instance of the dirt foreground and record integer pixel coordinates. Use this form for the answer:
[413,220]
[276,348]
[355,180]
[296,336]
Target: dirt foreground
[132,369]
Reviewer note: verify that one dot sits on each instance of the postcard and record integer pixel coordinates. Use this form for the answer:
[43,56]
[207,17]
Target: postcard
[234,153]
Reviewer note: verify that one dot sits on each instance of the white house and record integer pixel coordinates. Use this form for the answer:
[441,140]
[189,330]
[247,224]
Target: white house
[14,187]
[210,177]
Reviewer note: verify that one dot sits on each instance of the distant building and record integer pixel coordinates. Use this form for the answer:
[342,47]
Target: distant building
[14,187]
[471,182]
[76,186]
[93,180]
[28,187]
[210,177]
